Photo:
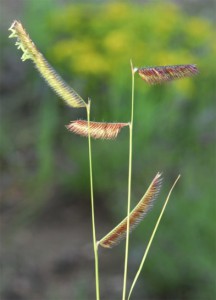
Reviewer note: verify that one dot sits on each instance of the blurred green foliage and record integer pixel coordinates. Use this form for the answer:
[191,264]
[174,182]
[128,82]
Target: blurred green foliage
[91,45]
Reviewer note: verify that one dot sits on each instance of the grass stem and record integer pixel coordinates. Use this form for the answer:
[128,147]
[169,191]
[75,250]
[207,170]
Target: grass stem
[129,186]
[151,239]
[92,207]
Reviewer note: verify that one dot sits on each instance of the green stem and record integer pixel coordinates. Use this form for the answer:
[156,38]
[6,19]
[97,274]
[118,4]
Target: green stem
[151,239]
[129,187]
[92,206]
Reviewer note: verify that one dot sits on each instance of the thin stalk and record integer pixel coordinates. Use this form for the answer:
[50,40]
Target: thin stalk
[129,186]
[151,239]
[92,207]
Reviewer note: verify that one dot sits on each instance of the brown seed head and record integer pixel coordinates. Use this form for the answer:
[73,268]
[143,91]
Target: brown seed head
[98,130]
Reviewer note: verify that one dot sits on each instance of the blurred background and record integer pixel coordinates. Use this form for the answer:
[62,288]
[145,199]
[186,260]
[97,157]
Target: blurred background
[46,240]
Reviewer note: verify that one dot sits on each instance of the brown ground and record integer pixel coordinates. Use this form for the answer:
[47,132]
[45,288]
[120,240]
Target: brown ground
[53,259]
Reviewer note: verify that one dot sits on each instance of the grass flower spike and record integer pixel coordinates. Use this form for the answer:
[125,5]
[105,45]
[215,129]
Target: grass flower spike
[49,74]
[135,217]
[155,75]
[98,130]
[104,130]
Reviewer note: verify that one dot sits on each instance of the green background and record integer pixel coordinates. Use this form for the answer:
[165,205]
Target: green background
[44,168]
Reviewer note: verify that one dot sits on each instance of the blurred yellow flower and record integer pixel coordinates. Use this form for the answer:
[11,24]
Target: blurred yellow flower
[117,11]
[116,41]
[173,58]
[198,29]
[91,63]
[103,40]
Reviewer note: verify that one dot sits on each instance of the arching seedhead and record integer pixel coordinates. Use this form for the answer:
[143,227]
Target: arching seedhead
[137,214]
[52,78]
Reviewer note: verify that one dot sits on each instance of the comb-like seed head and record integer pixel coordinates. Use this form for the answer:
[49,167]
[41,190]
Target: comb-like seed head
[114,237]
[50,75]
[98,130]
[160,74]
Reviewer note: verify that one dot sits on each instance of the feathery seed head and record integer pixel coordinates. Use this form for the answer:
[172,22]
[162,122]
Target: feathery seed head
[160,74]
[98,130]
[52,78]
[136,215]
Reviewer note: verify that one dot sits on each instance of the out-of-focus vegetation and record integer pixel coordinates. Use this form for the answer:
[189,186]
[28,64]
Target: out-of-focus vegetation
[174,132]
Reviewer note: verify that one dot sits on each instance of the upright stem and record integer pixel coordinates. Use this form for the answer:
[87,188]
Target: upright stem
[92,206]
[151,238]
[129,186]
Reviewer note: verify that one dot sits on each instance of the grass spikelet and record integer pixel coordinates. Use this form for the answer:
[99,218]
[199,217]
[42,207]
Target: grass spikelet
[98,130]
[155,75]
[135,217]
[49,74]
